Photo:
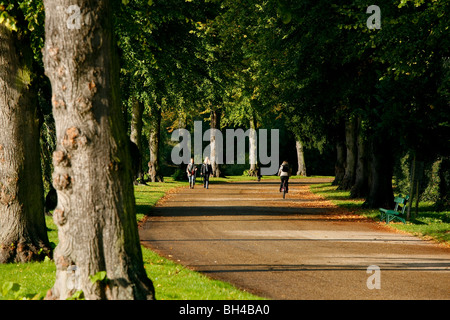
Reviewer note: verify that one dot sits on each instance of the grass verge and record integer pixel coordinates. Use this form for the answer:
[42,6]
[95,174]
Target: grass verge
[172,281]
[428,224]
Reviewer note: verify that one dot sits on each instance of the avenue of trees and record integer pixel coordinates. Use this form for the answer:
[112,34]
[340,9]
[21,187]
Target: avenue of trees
[91,90]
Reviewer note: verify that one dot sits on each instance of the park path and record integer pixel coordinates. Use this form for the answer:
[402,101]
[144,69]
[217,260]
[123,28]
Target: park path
[300,248]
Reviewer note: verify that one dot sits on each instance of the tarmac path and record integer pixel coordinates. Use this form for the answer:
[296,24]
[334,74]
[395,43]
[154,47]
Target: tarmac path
[299,248]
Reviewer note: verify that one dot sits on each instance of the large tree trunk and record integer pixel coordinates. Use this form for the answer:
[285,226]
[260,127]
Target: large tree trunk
[23,233]
[360,188]
[215,124]
[95,214]
[350,142]
[136,138]
[300,159]
[380,176]
[155,135]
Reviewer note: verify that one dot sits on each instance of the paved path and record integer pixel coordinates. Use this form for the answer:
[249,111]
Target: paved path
[299,248]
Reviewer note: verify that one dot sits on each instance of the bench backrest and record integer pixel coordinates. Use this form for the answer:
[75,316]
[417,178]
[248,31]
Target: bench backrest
[401,201]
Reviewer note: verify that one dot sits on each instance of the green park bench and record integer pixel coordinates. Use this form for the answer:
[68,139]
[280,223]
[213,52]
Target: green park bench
[398,212]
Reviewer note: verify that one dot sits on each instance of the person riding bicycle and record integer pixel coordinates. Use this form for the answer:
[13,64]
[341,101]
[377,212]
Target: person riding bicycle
[283,172]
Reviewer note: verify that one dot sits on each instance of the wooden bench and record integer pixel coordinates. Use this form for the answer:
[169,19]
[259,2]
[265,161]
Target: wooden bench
[398,212]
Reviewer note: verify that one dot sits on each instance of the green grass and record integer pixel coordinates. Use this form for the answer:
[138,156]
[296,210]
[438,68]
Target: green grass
[172,281]
[33,277]
[428,224]
[148,196]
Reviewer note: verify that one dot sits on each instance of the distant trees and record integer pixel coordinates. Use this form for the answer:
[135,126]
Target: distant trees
[374,94]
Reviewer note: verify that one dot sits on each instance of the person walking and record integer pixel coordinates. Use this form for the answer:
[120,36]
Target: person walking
[283,172]
[191,171]
[206,171]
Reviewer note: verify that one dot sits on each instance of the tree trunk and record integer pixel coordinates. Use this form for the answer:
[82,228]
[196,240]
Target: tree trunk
[339,167]
[253,146]
[216,116]
[350,143]
[136,138]
[155,134]
[443,202]
[380,194]
[360,188]
[300,159]
[23,233]
[95,214]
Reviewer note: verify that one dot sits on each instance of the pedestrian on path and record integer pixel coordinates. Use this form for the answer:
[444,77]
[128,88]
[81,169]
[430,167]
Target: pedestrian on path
[283,172]
[206,172]
[191,172]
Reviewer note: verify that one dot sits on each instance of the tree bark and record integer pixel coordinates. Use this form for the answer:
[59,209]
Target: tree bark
[300,159]
[155,135]
[360,188]
[350,166]
[215,124]
[136,138]
[95,214]
[381,163]
[339,167]
[253,145]
[23,233]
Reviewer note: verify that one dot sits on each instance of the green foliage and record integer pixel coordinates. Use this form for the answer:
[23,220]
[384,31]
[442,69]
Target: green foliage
[179,175]
[7,20]
[12,290]
[78,295]
[10,287]
[24,16]
[99,277]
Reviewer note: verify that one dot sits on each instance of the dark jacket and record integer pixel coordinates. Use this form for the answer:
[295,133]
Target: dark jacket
[206,169]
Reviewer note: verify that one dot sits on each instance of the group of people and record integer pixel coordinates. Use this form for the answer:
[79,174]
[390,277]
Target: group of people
[206,171]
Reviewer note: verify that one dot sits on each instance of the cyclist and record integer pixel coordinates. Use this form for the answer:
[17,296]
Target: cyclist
[283,172]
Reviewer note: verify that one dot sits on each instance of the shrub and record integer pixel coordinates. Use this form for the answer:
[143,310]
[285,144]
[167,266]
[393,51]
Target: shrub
[179,175]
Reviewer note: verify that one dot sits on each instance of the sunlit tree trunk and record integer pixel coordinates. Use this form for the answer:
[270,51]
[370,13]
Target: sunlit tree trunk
[95,214]
[215,124]
[253,146]
[136,136]
[300,159]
